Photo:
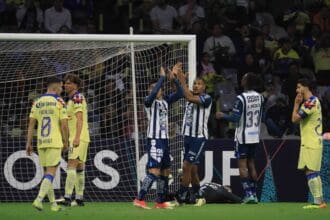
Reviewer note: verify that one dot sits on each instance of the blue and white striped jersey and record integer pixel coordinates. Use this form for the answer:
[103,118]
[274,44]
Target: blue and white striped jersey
[248,110]
[196,117]
[157,110]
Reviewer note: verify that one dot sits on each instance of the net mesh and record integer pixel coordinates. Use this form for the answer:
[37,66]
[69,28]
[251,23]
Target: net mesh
[105,68]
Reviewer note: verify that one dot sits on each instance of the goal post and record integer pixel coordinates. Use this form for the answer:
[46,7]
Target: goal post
[116,70]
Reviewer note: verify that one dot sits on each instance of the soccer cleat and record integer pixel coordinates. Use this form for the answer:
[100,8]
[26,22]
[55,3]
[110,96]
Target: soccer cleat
[255,200]
[323,205]
[55,208]
[140,204]
[80,202]
[200,202]
[65,202]
[37,204]
[163,205]
[250,200]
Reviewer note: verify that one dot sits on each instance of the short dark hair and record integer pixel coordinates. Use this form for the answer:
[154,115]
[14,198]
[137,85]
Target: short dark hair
[52,80]
[252,81]
[310,83]
[73,78]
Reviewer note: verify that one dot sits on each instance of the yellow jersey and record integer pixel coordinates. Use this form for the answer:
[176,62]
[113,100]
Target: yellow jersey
[49,110]
[311,124]
[78,104]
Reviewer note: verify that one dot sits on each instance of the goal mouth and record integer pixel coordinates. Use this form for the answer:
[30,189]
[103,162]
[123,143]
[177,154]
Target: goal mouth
[115,74]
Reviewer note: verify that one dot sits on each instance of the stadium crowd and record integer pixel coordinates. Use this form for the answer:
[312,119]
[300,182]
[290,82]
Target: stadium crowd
[280,44]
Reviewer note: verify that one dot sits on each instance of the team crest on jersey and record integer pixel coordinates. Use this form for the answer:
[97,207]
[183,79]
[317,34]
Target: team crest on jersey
[78,98]
[310,103]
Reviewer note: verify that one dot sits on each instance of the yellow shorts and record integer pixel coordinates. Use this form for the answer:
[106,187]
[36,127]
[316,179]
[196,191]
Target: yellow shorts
[79,152]
[50,157]
[310,158]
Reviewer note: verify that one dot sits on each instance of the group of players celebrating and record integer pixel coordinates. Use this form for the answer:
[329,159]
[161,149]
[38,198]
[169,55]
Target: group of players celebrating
[63,126]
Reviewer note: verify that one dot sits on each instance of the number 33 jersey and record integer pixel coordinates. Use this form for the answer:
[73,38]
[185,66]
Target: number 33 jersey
[249,106]
[48,110]
[311,124]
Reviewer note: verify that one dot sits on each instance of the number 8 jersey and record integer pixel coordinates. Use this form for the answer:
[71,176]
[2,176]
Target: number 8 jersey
[248,106]
[48,110]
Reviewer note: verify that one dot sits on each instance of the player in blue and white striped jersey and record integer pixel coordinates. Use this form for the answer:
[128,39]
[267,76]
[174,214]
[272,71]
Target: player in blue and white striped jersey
[247,114]
[158,165]
[195,132]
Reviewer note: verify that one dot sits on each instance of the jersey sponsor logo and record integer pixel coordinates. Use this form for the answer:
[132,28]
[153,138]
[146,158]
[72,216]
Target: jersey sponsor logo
[45,104]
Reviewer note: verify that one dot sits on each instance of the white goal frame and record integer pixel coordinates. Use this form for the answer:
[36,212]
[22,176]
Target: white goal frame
[190,39]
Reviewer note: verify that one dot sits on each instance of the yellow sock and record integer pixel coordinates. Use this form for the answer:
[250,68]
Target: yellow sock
[80,184]
[44,187]
[315,186]
[70,181]
[51,194]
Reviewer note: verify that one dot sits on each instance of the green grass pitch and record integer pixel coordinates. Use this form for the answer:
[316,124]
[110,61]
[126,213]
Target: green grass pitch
[123,211]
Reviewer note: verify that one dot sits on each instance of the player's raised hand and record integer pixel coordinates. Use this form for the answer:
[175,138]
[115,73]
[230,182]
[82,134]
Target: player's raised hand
[298,99]
[177,68]
[29,149]
[162,71]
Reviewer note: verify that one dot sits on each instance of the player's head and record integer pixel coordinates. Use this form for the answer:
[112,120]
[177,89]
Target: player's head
[152,85]
[198,86]
[71,83]
[305,86]
[250,81]
[54,85]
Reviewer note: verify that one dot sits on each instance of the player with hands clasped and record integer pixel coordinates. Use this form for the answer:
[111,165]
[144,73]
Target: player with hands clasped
[49,112]
[307,111]
[158,165]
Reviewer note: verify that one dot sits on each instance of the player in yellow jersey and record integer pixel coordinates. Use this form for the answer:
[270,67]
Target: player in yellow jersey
[49,112]
[307,111]
[79,140]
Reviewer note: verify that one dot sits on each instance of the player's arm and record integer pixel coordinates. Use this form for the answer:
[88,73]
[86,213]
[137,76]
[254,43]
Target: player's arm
[153,94]
[178,94]
[186,92]
[235,115]
[32,124]
[79,125]
[297,114]
[65,133]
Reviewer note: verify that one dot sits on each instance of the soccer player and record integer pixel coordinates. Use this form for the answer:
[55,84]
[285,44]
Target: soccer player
[49,112]
[79,140]
[195,133]
[247,113]
[307,112]
[158,165]
[210,193]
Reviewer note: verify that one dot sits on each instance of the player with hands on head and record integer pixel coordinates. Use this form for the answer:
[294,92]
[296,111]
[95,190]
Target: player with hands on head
[158,165]
[50,113]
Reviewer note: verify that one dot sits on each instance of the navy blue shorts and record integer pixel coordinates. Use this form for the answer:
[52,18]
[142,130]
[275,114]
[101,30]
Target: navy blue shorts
[193,149]
[245,151]
[158,154]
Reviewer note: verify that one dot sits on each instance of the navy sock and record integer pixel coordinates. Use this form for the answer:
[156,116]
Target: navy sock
[195,189]
[253,187]
[162,188]
[246,187]
[182,193]
[146,184]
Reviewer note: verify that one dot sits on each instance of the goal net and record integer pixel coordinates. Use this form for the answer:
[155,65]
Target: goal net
[115,71]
